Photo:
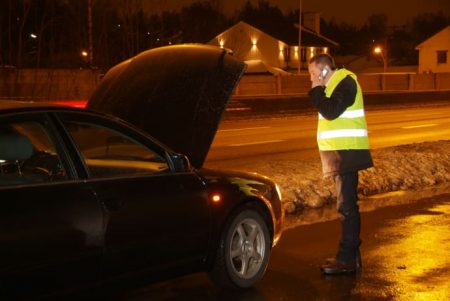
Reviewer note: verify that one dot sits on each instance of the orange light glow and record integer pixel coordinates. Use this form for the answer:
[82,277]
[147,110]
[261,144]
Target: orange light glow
[216,198]
[311,51]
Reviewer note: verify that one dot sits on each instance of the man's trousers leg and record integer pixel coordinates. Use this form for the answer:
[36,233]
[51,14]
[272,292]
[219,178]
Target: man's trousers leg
[347,198]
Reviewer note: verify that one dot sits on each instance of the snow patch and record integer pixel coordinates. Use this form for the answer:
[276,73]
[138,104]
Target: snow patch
[405,167]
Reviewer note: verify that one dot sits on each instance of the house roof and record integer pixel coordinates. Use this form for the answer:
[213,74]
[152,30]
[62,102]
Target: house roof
[289,35]
[260,67]
[436,34]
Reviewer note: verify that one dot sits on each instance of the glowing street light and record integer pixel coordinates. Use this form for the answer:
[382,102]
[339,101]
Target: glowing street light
[33,36]
[84,53]
[379,51]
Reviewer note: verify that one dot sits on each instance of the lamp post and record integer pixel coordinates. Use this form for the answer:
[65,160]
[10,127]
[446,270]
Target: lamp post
[379,51]
[299,50]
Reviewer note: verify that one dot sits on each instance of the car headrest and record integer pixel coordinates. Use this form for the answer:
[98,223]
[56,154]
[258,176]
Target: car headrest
[14,146]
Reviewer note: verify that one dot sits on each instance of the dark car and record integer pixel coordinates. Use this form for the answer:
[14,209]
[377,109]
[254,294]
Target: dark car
[88,197]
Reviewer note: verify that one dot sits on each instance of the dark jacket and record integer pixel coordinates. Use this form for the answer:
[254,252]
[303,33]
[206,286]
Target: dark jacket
[340,161]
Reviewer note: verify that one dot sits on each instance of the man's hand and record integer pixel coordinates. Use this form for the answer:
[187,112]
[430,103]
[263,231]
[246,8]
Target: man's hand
[316,81]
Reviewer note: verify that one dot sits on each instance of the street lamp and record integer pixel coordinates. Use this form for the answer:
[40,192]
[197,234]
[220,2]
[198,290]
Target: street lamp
[379,51]
[299,51]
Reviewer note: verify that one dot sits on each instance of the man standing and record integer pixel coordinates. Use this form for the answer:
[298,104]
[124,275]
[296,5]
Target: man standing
[344,150]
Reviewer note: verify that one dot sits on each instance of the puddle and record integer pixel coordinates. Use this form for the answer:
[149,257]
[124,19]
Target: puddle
[328,212]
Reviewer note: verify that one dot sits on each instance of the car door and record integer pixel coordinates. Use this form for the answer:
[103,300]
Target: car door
[51,224]
[156,217]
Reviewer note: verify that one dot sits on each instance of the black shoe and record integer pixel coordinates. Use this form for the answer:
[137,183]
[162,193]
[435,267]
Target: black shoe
[358,262]
[334,267]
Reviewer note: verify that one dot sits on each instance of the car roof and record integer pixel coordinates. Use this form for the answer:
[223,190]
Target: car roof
[12,106]
[16,105]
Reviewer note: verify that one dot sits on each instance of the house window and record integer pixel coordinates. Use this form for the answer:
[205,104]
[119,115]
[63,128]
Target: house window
[303,54]
[442,57]
[287,54]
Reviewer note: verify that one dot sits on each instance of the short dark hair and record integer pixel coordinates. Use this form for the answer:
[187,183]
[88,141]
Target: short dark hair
[325,59]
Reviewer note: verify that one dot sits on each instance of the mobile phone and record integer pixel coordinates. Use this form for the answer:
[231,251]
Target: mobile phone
[324,73]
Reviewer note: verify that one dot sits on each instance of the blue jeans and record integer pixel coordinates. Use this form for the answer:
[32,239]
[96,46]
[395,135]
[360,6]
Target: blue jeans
[347,199]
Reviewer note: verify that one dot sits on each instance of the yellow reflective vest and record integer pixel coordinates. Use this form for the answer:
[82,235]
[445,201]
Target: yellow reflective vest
[349,130]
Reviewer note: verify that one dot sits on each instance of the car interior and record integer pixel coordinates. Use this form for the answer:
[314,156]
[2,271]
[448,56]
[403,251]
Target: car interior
[23,160]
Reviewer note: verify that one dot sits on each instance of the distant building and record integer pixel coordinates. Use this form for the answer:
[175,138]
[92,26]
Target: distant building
[370,64]
[274,49]
[357,63]
[434,53]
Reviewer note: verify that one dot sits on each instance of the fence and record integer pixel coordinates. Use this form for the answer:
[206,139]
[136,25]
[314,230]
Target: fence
[46,84]
[253,85]
[74,84]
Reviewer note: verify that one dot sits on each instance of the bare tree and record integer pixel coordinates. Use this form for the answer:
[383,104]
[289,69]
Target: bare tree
[25,12]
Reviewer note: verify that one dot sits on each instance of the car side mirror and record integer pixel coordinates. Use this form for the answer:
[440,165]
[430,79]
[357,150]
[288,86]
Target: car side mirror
[180,162]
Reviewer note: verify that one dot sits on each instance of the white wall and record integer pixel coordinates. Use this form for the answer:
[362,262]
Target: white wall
[249,43]
[428,53]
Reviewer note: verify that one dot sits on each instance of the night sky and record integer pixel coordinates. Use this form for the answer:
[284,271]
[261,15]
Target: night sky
[351,11]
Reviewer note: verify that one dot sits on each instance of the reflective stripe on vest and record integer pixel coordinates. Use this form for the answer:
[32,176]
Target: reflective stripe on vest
[349,114]
[349,130]
[341,134]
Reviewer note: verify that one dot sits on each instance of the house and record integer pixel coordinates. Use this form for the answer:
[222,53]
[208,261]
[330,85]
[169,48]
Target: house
[434,53]
[357,63]
[274,49]
[370,64]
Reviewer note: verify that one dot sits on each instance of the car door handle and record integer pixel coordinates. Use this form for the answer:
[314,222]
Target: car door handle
[113,203]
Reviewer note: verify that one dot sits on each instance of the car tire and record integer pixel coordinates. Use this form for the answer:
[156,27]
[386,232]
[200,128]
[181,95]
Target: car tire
[243,252]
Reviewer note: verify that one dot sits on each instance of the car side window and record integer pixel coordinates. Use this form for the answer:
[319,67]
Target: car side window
[108,153]
[28,155]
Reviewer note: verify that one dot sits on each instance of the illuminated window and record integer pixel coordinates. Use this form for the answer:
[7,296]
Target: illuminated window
[442,57]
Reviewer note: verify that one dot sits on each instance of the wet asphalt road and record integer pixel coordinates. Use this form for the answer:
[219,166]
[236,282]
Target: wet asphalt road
[242,142]
[406,256]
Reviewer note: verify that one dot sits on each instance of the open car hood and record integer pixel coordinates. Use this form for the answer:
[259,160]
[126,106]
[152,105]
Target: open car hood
[177,94]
